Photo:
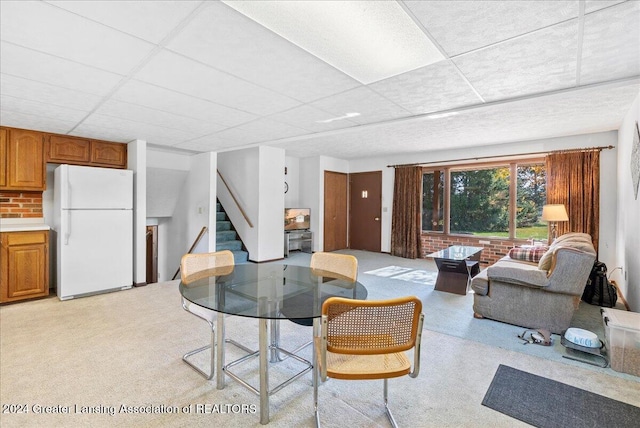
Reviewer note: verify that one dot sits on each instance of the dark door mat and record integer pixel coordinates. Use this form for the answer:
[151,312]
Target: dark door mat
[543,402]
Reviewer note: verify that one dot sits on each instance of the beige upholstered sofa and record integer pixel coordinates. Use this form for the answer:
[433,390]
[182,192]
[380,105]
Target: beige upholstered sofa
[536,295]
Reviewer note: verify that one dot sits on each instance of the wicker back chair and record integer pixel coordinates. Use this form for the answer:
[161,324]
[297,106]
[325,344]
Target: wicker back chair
[192,268]
[197,266]
[367,339]
[343,264]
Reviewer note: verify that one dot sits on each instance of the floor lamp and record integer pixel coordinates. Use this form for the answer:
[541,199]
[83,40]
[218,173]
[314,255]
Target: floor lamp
[554,213]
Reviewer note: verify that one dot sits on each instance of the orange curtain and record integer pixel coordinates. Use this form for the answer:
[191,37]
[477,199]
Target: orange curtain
[405,223]
[573,179]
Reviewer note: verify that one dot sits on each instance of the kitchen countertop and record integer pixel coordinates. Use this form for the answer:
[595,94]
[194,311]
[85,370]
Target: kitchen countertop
[23,224]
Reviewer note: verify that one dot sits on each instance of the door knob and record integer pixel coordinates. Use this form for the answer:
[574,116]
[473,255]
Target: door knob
[377,219]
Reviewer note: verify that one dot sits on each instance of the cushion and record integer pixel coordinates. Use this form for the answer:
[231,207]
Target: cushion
[545,260]
[573,236]
[519,276]
[528,253]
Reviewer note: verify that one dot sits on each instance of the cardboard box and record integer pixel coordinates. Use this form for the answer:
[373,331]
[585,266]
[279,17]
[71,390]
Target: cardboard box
[622,332]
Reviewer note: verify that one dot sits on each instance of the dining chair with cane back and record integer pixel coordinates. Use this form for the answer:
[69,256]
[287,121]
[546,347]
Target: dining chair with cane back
[343,266]
[192,268]
[368,339]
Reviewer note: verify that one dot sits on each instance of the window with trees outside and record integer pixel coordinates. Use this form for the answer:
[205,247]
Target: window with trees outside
[497,200]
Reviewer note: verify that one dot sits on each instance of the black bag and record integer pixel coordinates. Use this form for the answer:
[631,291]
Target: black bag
[599,291]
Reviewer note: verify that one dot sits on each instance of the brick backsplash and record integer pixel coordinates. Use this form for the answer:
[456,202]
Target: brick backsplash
[494,251]
[20,204]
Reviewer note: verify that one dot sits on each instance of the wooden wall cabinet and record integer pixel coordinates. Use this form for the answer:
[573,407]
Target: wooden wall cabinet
[82,151]
[108,154]
[24,258]
[23,160]
[3,157]
[70,150]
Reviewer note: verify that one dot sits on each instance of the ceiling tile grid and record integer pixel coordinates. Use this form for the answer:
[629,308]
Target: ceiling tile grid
[200,76]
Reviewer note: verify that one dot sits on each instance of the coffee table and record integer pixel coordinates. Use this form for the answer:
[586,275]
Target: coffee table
[456,266]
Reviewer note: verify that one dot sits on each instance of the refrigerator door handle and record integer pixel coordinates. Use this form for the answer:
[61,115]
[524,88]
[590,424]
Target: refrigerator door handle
[67,233]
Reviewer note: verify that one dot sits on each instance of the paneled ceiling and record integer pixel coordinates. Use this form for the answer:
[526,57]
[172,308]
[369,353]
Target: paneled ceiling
[199,76]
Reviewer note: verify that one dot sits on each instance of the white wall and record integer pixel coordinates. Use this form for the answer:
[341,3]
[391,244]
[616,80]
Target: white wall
[292,197]
[256,178]
[627,234]
[195,209]
[169,229]
[608,185]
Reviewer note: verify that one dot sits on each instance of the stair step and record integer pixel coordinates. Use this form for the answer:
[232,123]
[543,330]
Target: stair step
[226,235]
[223,225]
[240,257]
[218,207]
[221,216]
[229,245]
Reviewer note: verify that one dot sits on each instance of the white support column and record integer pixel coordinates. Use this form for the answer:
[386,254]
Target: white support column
[137,162]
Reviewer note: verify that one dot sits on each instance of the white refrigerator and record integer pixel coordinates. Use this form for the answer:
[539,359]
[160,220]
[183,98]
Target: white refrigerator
[93,218]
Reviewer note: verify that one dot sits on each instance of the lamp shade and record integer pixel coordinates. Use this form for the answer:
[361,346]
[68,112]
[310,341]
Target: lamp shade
[554,212]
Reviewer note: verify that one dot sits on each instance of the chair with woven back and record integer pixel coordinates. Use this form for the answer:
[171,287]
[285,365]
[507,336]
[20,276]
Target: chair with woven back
[192,268]
[368,339]
[333,265]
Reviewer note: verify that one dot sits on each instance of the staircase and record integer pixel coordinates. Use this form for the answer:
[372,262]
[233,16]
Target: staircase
[227,238]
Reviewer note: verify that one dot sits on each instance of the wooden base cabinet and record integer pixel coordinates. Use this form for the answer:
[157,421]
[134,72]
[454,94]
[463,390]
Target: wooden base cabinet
[24,258]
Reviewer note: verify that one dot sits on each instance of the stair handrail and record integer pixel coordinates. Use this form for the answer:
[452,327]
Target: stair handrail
[235,200]
[193,246]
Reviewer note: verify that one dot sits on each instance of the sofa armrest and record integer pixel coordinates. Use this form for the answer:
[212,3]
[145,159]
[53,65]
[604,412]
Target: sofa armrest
[514,275]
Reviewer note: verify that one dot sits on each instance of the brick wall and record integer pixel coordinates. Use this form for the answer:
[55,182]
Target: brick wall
[20,204]
[494,251]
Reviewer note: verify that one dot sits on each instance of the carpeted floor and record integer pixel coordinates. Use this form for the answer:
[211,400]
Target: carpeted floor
[122,351]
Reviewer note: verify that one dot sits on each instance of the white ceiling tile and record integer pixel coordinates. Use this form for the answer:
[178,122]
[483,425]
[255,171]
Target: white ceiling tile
[32,65]
[36,91]
[145,94]
[130,130]
[46,28]
[181,74]
[33,121]
[208,143]
[151,116]
[593,5]
[462,26]
[372,106]
[611,43]
[55,112]
[229,41]
[149,20]
[538,62]
[311,119]
[261,130]
[436,87]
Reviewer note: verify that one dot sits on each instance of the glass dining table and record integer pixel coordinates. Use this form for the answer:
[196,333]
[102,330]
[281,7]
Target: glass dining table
[268,292]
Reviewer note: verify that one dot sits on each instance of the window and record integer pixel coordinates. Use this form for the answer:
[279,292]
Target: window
[433,201]
[477,200]
[480,202]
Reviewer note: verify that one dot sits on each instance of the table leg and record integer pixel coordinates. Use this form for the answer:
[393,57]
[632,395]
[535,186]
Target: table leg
[220,333]
[264,372]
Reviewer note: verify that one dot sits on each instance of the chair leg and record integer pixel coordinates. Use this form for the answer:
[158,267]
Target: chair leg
[315,379]
[185,357]
[386,405]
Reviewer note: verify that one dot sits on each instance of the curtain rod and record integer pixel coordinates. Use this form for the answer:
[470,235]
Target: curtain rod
[589,149]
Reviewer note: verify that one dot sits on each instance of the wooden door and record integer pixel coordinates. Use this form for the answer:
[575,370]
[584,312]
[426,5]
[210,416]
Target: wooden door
[152,254]
[335,211]
[365,211]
